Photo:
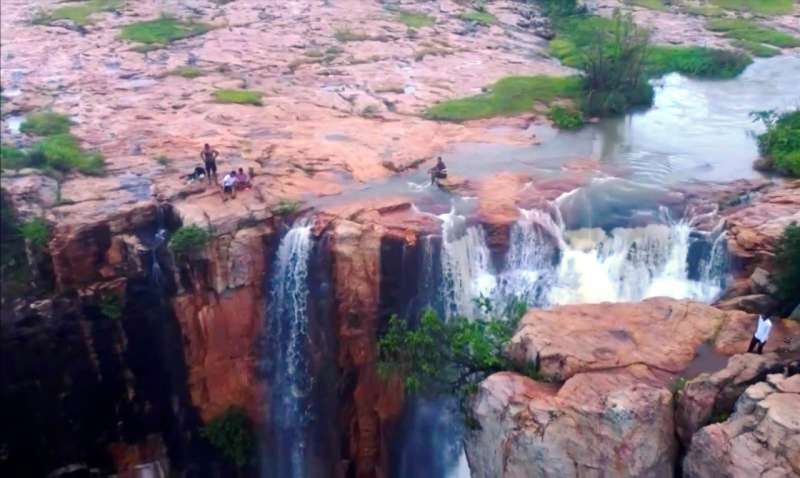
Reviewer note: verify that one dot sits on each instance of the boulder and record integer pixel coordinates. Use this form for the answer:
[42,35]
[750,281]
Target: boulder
[715,394]
[616,423]
[762,437]
[752,303]
[661,333]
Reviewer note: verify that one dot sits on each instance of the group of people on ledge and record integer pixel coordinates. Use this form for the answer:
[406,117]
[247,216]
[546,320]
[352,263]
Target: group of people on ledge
[231,182]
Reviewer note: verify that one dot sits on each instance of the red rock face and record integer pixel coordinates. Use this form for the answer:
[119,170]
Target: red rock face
[373,402]
[222,319]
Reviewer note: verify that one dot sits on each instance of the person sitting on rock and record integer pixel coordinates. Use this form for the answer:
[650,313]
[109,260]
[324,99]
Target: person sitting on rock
[209,157]
[439,171]
[198,174]
[242,180]
[229,186]
[763,328]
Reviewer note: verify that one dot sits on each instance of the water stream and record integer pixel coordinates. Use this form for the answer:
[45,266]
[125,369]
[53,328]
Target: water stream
[290,377]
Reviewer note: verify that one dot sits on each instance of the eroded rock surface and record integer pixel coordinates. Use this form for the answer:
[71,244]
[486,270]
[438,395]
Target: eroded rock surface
[762,438]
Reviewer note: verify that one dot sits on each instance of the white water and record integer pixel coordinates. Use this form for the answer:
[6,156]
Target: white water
[546,265]
[291,382]
[466,265]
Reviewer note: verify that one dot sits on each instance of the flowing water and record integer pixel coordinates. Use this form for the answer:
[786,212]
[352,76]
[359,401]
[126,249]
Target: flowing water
[290,375]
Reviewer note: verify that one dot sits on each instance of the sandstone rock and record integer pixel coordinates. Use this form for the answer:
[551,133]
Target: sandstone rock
[660,333]
[220,334]
[716,393]
[762,438]
[31,193]
[597,424]
[761,281]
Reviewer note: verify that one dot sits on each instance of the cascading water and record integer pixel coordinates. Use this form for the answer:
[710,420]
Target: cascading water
[290,377]
[466,265]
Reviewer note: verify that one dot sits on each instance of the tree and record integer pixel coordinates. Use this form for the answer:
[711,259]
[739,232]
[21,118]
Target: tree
[443,356]
[614,68]
[787,266]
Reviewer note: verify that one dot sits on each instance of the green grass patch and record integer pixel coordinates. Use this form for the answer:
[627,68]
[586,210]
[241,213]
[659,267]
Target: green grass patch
[651,4]
[479,17]
[13,158]
[762,7]
[511,95]
[63,153]
[710,11]
[239,97]
[189,72]
[780,144]
[46,123]
[78,13]
[565,118]
[696,61]
[750,31]
[345,35]
[757,49]
[162,31]
[413,19]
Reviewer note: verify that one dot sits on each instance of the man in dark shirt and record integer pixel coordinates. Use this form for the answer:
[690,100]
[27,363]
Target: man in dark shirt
[439,171]
[209,157]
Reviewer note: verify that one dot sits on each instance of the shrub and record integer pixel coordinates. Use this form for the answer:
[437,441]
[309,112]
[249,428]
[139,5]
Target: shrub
[188,240]
[232,434]
[13,158]
[162,31]
[241,97]
[286,207]
[757,49]
[614,68]
[62,153]
[443,356]
[780,144]
[786,275]
[678,385]
[79,12]
[511,95]
[46,123]
[36,233]
[14,269]
[414,19]
[565,118]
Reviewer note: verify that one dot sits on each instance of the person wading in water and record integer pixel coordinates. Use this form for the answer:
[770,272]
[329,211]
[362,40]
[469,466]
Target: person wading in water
[439,171]
[209,157]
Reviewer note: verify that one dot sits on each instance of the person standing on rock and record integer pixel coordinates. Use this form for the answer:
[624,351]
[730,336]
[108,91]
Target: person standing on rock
[209,157]
[761,335]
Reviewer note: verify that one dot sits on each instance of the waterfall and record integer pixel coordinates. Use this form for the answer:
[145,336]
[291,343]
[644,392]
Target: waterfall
[291,381]
[466,266]
[535,245]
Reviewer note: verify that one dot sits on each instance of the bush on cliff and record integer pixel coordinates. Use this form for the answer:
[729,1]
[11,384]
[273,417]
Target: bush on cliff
[14,270]
[787,266]
[780,144]
[188,240]
[232,434]
[446,356]
[162,31]
[36,233]
[46,123]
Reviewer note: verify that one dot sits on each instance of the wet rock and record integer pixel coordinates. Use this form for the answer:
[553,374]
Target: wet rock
[715,394]
[753,303]
[762,437]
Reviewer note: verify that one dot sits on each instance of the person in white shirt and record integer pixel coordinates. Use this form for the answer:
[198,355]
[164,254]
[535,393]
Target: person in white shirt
[229,186]
[763,328]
